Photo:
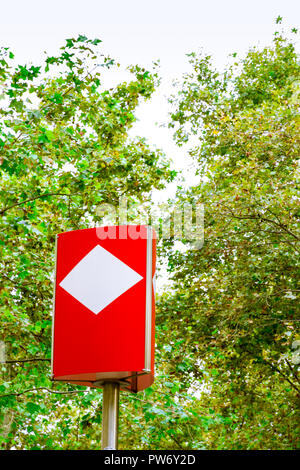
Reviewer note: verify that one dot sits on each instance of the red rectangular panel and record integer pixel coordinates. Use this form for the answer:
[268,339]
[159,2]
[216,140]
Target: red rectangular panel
[101,326]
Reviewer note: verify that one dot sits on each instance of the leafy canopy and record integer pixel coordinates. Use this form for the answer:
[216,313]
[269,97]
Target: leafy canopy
[64,149]
[232,310]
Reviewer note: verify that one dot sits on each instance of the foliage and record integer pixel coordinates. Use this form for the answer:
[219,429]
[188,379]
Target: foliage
[226,370]
[234,302]
[64,150]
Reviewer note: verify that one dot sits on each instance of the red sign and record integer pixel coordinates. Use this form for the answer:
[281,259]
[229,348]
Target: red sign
[104,307]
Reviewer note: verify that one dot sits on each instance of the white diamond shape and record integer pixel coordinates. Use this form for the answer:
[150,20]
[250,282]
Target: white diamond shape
[98,279]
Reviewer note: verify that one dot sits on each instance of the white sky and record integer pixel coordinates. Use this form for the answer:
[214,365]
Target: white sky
[139,31]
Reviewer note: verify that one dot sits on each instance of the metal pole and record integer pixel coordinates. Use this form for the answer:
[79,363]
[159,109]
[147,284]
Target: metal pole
[110,415]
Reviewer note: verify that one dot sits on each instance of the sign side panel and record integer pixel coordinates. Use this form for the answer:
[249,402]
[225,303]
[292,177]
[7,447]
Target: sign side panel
[148,307]
[153,301]
[146,380]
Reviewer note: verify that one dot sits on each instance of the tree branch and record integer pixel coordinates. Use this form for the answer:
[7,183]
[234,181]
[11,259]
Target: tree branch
[25,360]
[292,370]
[282,374]
[31,199]
[264,219]
[17,394]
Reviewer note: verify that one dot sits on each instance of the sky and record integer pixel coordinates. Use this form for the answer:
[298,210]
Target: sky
[140,32]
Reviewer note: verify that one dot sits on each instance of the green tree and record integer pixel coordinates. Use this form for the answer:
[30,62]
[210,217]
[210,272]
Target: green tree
[225,368]
[231,311]
[64,150]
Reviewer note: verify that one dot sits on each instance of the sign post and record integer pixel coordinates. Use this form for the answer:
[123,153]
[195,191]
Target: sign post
[110,415]
[104,314]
